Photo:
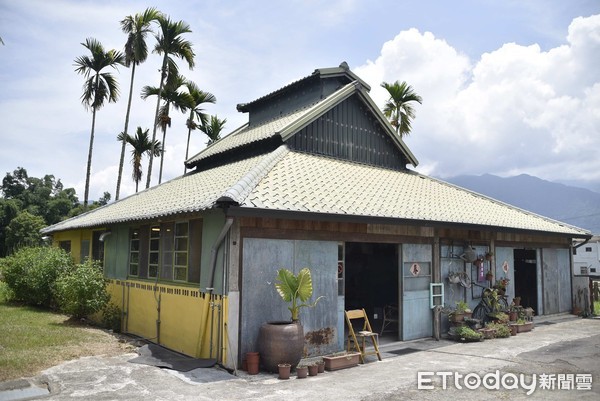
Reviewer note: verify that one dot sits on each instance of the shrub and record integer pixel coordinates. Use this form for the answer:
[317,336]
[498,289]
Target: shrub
[111,317]
[31,273]
[82,291]
[6,294]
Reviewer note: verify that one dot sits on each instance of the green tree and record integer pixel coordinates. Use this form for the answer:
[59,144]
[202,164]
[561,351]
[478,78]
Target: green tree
[97,89]
[141,146]
[172,96]
[136,52]
[9,209]
[398,108]
[213,129]
[199,98]
[169,43]
[24,230]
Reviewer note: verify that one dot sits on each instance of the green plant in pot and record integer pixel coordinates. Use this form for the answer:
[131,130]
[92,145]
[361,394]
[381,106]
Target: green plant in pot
[283,342]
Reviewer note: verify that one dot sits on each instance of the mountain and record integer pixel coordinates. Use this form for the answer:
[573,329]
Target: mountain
[576,206]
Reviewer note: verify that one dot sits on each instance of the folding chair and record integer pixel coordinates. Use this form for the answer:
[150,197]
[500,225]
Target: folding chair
[358,341]
[390,318]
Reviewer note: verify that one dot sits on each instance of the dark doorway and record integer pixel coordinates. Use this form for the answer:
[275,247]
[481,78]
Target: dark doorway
[371,278]
[526,277]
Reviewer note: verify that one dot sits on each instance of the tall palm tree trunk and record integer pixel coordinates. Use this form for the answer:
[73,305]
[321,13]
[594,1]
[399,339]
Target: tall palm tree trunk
[89,162]
[163,74]
[162,156]
[187,147]
[122,160]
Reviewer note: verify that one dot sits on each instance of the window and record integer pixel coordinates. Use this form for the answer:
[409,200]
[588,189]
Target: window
[154,252]
[97,247]
[65,245]
[169,251]
[84,253]
[588,249]
[180,262]
[134,252]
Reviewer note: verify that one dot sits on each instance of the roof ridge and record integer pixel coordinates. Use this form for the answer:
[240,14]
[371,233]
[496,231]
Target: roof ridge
[241,189]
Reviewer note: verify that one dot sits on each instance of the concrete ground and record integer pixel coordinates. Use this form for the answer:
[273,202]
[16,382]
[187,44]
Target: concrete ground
[561,345]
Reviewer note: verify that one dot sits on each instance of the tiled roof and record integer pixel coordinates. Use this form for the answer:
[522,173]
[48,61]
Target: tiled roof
[190,193]
[284,180]
[310,183]
[245,135]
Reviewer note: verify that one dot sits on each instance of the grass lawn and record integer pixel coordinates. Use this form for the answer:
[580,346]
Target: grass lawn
[32,340]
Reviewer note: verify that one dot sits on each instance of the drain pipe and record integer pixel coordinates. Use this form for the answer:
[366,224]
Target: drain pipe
[213,266]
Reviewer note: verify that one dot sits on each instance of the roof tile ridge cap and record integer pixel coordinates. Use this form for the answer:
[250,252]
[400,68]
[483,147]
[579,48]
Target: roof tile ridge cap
[505,204]
[240,190]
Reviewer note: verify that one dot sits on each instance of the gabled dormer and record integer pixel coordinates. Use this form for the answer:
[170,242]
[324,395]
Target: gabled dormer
[328,113]
[299,94]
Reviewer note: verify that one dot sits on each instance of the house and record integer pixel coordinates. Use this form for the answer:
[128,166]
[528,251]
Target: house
[316,178]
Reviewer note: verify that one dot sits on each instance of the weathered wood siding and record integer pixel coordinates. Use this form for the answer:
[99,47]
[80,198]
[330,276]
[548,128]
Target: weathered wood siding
[349,131]
[260,302]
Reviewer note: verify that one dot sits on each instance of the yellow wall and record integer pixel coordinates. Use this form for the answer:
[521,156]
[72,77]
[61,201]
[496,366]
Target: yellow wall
[185,316]
[75,236]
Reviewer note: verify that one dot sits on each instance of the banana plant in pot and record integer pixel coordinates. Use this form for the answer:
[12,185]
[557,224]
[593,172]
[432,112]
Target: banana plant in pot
[283,342]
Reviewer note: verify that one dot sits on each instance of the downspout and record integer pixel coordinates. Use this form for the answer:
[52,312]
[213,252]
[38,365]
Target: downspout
[213,266]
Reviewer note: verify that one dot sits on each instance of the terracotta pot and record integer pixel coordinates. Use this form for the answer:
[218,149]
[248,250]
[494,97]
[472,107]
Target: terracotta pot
[321,366]
[284,371]
[252,360]
[513,329]
[512,316]
[458,317]
[280,342]
[313,370]
[301,372]
[341,361]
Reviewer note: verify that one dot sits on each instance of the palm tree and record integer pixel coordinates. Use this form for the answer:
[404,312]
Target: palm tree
[97,88]
[136,52]
[172,96]
[141,145]
[199,97]
[398,108]
[169,43]
[213,129]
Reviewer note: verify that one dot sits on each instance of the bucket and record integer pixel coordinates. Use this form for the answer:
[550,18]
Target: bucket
[252,360]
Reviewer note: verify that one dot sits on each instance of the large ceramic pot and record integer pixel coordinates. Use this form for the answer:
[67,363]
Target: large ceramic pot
[280,342]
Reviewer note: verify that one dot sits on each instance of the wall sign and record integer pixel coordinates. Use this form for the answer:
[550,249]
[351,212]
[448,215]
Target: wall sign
[505,266]
[415,269]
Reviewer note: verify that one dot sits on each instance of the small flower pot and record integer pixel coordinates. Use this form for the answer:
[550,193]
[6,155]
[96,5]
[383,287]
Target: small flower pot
[301,372]
[514,329]
[512,316]
[313,370]
[321,366]
[284,371]
[252,359]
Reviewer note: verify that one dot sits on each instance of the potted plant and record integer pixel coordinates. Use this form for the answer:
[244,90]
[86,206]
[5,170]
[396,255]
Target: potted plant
[489,276]
[489,255]
[284,370]
[463,308]
[465,334]
[513,312]
[501,285]
[313,369]
[283,342]
[301,371]
[517,301]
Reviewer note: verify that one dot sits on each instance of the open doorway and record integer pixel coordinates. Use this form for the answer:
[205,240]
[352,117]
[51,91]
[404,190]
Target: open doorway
[371,278]
[526,277]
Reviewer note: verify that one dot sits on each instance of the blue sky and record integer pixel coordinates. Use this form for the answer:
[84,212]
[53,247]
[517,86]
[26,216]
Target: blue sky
[509,87]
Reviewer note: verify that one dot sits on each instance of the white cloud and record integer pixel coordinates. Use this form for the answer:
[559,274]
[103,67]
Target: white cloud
[516,109]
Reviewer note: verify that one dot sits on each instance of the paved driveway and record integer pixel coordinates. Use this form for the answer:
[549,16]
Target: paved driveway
[567,346]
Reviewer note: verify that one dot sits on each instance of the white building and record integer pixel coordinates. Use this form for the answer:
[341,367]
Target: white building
[586,258]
